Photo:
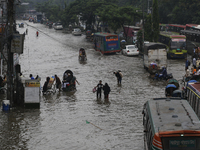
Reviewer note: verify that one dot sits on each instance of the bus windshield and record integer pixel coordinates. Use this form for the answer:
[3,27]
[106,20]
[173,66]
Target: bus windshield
[181,143]
[111,37]
[178,45]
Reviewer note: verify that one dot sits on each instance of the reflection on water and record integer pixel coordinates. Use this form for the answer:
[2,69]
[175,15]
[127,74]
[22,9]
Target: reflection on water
[60,123]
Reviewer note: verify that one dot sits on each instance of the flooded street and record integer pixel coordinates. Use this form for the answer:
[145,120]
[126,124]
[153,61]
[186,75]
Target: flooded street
[60,123]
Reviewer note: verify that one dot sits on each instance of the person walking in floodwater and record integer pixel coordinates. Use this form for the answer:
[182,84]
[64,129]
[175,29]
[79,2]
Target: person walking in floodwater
[99,89]
[58,82]
[106,90]
[46,84]
[119,76]
[37,33]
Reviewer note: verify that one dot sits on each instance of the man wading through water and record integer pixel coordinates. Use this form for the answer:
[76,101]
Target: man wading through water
[99,89]
[119,76]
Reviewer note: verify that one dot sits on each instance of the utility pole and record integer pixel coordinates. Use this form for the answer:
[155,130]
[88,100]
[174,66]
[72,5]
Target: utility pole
[10,82]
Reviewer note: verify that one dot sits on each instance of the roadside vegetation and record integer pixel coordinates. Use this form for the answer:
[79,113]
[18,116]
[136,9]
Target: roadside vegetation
[117,13]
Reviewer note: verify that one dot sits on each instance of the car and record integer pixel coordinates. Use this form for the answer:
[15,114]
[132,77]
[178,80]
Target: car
[130,50]
[76,31]
[58,26]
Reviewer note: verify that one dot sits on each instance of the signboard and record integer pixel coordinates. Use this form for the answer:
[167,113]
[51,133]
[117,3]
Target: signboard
[32,91]
[182,143]
[17,43]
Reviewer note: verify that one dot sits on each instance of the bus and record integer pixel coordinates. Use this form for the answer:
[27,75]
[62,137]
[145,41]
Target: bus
[193,96]
[176,28]
[170,124]
[155,53]
[106,43]
[192,39]
[39,18]
[176,44]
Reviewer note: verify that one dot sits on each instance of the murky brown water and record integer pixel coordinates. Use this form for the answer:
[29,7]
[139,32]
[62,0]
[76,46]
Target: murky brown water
[60,123]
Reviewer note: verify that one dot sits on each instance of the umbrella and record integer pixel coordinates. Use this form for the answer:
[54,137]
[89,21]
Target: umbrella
[191,81]
[177,93]
[170,85]
[173,81]
[123,41]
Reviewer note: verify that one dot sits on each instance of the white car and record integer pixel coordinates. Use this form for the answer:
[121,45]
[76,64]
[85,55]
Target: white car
[76,31]
[58,26]
[130,50]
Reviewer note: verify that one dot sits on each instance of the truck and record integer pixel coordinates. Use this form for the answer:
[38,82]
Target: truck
[155,57]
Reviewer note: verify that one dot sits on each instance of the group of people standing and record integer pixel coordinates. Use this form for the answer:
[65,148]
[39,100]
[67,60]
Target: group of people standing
[106,87]
[47,85]
[101,87]
[195,69]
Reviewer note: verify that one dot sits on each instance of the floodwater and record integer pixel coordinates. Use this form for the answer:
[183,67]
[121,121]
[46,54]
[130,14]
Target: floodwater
[60,123]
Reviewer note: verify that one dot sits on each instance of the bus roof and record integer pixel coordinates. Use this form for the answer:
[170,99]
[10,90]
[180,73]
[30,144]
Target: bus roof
[191,25]
[173,25]
[172,35]
[192,32]
[104,34]
[195,87]
[172,115]
[178,25]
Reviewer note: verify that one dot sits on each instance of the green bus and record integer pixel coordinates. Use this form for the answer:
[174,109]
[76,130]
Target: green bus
[106,43]
[170,124]
[176,44]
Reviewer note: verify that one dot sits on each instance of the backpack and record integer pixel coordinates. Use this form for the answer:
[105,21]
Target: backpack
[121,74]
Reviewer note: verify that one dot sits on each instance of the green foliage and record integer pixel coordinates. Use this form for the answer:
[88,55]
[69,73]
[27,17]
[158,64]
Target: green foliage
[179,11]
[117,17]
[140,40]
[117,13]
[148,35]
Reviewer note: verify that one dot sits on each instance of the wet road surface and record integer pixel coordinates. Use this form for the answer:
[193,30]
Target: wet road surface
[60,123]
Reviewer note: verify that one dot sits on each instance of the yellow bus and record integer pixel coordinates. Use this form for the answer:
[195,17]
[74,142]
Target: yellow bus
[170,124]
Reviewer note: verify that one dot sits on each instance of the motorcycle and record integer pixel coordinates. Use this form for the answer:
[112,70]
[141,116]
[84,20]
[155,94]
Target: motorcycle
[162,77]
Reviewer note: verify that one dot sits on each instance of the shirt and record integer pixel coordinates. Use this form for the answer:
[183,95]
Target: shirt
[99,87]
[194,61]
[198,72]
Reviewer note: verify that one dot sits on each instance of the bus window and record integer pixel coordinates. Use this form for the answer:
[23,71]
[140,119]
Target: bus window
[177,44]
[151,140]
[111,37]
[196,105]
[190,97]
[188,93]
[194,101]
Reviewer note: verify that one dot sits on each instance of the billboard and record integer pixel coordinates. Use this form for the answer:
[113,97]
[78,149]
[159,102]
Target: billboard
[17,43]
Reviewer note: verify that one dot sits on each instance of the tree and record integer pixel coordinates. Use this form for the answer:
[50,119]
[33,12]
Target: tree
[155,21]
[186,12]
[140,40]
[148,29]
[165,10]
[116,17]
